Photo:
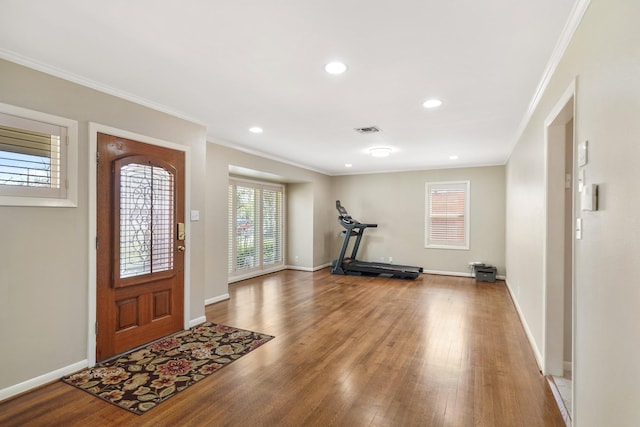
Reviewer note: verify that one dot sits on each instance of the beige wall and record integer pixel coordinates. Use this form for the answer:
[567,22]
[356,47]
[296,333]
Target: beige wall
[44,263]
[396,202]
[604,59]
[299,225]
[305,191]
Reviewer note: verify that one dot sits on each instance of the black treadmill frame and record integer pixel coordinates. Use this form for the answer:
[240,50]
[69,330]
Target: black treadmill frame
[351,266]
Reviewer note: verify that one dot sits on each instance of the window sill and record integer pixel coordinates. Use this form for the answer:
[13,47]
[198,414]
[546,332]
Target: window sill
[42,202]
[459,248]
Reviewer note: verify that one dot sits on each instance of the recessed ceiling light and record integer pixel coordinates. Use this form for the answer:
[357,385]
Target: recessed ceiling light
[335,68]
[255,129]
[432,103]
[454,157]
[380,151]
[348,165]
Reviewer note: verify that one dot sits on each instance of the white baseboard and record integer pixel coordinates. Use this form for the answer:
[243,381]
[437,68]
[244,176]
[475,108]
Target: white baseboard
[456,274]
[197,321]
[42,380]
[448,273]
[310,269]
[299,268]
[214,300]
[532,342]
[255,274]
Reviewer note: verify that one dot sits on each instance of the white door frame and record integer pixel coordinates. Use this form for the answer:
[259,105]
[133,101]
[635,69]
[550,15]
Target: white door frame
[94,129]
[553,239]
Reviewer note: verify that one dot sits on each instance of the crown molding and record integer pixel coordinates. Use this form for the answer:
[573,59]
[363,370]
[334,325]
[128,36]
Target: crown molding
[91,84]
[575,17]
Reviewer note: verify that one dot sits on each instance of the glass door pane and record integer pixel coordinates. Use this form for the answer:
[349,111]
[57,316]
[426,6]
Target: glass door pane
[247,255]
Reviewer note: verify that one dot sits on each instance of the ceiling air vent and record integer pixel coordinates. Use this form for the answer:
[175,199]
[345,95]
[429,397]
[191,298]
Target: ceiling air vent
[368,129]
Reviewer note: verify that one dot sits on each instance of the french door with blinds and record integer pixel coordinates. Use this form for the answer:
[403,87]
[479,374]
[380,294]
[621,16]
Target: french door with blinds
[256,223]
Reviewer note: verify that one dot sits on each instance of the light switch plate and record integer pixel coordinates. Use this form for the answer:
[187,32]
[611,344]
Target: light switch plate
[195,215]
[583,157]
[580,180]
[578,228]
[589,198]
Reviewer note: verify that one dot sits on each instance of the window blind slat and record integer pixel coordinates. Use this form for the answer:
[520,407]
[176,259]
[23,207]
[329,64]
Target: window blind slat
[29,158]
[230,228]
[446,219]
[34,151]
[256,226]
[25,141]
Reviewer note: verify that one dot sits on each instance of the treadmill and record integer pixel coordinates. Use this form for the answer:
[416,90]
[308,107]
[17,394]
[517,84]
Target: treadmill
[351,266]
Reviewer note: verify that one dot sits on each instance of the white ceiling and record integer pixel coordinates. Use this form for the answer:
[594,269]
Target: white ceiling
[231,65]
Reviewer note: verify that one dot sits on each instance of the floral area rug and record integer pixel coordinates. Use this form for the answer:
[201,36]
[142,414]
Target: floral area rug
[140,380]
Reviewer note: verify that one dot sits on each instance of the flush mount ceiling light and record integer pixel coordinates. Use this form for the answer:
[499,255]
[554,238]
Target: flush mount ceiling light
[432,103]
[380,151]
[453,157]
[255,129]
[348,165]
[335,67]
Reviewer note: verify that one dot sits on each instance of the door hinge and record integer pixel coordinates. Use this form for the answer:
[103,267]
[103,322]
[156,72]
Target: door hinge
[97,243]
[96,328]
[98,157]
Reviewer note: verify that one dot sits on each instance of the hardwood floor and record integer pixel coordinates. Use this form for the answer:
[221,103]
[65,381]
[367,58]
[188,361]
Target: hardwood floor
[438,351]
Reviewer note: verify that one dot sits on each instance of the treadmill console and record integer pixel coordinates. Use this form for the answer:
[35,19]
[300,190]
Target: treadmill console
[344,215]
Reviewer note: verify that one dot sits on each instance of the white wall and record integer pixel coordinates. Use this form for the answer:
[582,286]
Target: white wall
[604,58]
[396,202]
[44,261]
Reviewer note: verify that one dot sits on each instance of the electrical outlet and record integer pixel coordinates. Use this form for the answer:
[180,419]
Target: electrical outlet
[296,259]
[390,259]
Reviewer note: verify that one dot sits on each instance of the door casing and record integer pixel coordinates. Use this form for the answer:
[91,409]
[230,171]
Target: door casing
[553,238]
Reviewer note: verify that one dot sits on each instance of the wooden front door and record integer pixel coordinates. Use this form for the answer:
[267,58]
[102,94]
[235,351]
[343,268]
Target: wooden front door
[140,247]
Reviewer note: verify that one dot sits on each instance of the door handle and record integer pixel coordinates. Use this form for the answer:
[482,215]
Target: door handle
[181,248]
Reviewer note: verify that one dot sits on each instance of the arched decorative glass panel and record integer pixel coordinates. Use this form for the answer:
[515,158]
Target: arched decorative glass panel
[146,220]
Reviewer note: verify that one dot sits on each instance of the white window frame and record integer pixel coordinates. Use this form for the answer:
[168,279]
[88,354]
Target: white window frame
[29,196]
[447,185]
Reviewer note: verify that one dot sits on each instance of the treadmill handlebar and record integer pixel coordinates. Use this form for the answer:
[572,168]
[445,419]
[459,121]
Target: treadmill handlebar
[349,224]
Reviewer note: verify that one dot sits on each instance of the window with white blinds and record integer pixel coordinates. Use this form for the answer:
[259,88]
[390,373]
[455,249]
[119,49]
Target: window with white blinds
[146,211]
[35,158]
[447,215]
[256,223]
[271,226]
